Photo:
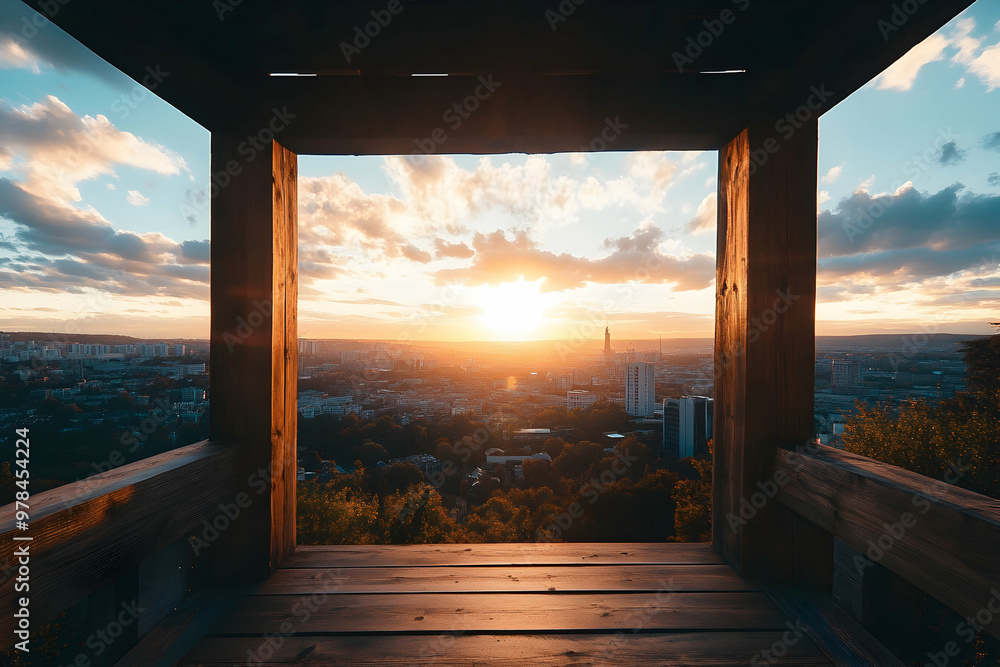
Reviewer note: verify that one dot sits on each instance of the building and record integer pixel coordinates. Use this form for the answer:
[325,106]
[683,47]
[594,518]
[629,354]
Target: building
[179,349]
[640,389]
[607,343]
[192,395]
[845,373]
[580,398]
[687,426]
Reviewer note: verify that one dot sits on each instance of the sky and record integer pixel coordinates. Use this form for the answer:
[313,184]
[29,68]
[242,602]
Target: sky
[104,221]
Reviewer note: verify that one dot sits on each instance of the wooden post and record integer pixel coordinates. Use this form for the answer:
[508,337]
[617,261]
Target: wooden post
[254,353]
[764,338]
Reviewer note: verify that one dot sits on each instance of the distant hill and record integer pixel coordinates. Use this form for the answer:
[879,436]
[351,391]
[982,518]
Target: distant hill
[104,339]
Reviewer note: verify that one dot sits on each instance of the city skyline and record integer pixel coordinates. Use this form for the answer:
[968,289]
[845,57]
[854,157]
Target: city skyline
[104,215]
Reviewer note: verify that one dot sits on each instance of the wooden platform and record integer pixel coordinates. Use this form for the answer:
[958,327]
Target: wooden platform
[505,604]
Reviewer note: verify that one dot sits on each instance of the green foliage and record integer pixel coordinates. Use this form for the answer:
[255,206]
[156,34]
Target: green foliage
[934,441]
[957,438]
[693,518]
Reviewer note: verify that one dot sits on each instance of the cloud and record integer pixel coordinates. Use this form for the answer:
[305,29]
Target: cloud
[82,250]
[706,218]
[994,178]
[14,55]
[833,174]
[984,64]
[436,190]
[458,250]
[950,154]
[370,302]
[991,142]
[987,67]
[902,73]
[196,252]
[415,254]
[44,44]
[908,235]
[136,198]
[634,258]
[56,149]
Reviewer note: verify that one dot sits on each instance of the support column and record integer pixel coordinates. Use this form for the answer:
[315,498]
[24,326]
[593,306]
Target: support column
[764,338]
[254,346]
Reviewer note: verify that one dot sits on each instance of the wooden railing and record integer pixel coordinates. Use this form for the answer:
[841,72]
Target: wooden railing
[943,539]
[116,535]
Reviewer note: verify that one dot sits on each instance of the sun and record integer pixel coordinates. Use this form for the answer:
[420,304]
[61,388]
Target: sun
[512,311]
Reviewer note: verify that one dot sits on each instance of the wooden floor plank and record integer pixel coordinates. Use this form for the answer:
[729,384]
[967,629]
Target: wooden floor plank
[520,612]
[505,579]
[721,649]
[460,555]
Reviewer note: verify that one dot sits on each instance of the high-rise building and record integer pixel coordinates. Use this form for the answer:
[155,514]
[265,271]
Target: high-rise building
[845,373]
[640,389]
[687,426]
[607,343]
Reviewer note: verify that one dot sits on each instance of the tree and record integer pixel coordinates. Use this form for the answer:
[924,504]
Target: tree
[982,362]
[693,517]
[958,437]
[370,453]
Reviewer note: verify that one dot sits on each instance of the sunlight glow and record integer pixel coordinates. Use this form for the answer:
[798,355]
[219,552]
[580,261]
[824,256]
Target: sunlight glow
[512,311]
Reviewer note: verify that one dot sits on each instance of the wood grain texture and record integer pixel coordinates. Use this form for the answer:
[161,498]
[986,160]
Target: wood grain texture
[764,337]
[254,347]
[468,555]
[718,649]
[949,550]
[118,520]
[409,613]
[505,579]
[284,352]
[832,629]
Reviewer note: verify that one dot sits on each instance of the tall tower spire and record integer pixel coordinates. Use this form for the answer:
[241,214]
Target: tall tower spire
[607,341]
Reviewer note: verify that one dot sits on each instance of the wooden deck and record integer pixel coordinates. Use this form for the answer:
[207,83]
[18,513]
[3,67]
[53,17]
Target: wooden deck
[505,604]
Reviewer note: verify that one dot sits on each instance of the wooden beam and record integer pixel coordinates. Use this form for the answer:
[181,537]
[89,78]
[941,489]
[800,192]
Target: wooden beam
[840,637]
[949,547]
[854,44]
[491,113]
[254,346]
[89,533]
[764,338]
